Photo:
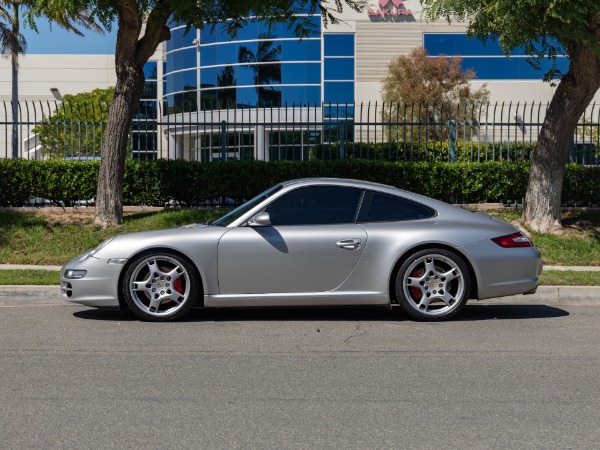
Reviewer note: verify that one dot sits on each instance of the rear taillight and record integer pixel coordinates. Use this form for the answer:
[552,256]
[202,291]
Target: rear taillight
[513,240]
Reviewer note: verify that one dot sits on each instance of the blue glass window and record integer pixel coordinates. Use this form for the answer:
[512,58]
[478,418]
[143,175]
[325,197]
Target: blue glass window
[312,24]
[241,76]
[338,44]
[182,101]
[487,59]
[181,81]
[208,55]
[179,38]
[339,92]
[516,68]
[459,44]
[229,53]
[339,69]
[208,77]
[151,70]
[268,74]
[233,53]
[305,73]
[277,96]
[301,95]
[182,59]
[150,90]
[255,29]
[305,50]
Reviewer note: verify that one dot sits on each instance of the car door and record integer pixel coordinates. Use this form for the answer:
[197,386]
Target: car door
[312,245]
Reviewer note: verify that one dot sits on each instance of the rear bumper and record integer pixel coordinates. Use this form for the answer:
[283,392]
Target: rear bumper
[502,272]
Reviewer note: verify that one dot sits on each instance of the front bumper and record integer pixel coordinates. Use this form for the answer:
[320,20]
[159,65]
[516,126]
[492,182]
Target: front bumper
[99,286]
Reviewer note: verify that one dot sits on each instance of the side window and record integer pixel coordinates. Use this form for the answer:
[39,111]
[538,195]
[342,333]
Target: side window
[315,205]
[378,207]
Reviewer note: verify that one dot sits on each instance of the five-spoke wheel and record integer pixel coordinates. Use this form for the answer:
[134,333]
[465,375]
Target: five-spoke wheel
[433,284]
[160,286]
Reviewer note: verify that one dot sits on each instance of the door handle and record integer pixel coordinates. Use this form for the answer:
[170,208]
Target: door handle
[348,244]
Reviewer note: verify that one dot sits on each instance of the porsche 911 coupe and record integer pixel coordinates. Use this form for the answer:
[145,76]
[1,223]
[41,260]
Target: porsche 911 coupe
[312,242]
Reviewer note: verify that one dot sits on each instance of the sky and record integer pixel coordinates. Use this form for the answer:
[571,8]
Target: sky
[56,40]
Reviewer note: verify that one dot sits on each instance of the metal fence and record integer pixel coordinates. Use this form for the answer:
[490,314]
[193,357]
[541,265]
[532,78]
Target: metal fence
[467,132]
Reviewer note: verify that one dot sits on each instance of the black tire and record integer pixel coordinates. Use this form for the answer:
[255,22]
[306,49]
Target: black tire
[160,286]
[433,285]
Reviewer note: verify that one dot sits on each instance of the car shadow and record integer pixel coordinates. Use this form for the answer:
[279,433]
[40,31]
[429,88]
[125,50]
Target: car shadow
[336,314]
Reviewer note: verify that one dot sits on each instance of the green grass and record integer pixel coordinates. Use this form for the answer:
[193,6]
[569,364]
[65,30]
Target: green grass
[29,277]
[32,239]
[569,278]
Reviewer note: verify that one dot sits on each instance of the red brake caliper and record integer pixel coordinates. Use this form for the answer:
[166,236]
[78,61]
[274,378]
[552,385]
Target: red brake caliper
[178,285]
[415,291]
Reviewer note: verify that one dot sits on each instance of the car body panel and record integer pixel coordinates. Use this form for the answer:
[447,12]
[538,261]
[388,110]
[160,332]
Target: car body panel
[243,265]
[287,259]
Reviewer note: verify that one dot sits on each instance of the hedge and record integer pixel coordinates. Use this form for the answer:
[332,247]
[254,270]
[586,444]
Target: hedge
[154,183]
[427,151]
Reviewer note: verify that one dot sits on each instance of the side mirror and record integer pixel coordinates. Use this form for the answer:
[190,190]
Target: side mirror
[260,220]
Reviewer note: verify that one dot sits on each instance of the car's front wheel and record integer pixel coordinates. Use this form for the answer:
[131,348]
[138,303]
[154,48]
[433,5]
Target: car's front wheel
[160,286]
[433,284]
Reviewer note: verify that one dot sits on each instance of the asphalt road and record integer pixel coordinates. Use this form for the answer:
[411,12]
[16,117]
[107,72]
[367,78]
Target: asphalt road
[500,376]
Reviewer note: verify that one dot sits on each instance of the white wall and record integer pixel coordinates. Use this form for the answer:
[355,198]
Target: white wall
[70,74]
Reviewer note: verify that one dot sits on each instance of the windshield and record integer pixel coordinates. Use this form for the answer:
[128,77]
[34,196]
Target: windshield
[231,216]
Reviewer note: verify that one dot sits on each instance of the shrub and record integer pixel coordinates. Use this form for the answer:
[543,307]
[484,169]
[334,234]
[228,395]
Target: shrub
[192,183]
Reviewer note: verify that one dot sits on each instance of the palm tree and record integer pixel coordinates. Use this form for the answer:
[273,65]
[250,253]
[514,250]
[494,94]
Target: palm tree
[12,42]
[264,74]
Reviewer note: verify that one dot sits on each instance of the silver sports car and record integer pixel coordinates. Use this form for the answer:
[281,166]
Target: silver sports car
[312,242]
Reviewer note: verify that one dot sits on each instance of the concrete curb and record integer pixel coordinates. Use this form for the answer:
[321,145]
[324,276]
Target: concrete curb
[30,291]
[555,295]
[27,267]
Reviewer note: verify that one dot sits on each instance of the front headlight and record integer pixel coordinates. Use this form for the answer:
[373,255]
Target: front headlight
[74,274]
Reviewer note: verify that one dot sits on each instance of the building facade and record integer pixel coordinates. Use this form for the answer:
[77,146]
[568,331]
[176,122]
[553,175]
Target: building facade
[265,94]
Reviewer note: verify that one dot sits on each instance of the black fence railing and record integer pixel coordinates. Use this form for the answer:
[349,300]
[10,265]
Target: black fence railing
[426,132]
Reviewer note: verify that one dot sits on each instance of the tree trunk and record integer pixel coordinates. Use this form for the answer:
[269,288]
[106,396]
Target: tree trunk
[109,196]
[132,52]
[574,93]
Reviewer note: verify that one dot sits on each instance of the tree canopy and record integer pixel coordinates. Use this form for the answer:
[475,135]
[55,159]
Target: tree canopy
[429,90]
[545,29]
[142,26]
[76,127]
[415,78]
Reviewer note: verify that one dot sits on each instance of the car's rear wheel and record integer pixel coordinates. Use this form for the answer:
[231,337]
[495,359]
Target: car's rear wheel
[433,285]
[160,286]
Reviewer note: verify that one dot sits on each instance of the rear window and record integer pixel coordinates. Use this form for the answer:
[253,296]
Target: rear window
[379,207]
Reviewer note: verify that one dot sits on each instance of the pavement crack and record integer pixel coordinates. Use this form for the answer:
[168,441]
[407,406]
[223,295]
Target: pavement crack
[359,333]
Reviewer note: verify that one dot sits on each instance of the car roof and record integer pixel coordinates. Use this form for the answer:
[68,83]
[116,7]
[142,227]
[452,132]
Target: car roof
[340,181]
